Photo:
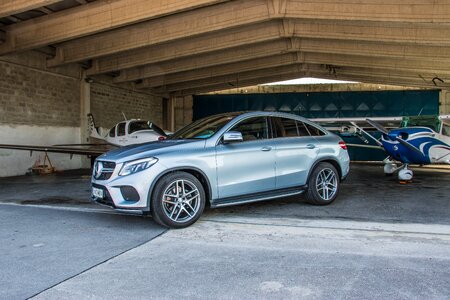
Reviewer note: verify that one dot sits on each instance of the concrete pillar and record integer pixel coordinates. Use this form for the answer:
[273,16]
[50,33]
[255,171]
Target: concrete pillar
[85,108]
[170,115]
[444,101]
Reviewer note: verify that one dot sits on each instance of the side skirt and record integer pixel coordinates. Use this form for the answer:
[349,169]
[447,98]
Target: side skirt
[263,196]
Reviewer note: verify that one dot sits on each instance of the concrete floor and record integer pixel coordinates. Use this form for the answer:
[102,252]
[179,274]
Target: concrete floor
[379,239]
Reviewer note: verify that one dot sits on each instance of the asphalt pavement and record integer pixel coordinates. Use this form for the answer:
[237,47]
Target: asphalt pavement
[379,239]
[41,247]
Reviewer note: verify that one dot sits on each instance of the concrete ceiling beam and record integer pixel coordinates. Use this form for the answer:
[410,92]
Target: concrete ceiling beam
[92,18]
[13,7]
[198,45]
[235,79]
[430,34]
[308,71]
[374,49]
[407,65]
[222,62]
[218,58]
[239,13]
[415,11]
[172,27]
[223,70]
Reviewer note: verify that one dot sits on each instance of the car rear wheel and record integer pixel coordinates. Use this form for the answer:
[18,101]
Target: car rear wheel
[178,200]
[323,184]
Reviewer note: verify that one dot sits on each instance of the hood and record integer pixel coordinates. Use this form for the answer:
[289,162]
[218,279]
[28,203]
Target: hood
[138,151]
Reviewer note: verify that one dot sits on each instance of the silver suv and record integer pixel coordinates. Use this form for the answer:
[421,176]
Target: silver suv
[222,160]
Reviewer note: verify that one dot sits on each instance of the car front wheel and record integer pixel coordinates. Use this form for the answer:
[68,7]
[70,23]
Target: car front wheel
[323,184]
[178,200]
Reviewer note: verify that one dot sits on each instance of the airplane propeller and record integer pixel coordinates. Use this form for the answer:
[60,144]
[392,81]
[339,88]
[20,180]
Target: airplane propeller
[383,130]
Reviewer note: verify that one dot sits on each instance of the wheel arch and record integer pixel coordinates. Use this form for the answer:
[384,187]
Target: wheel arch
[330,160]
[199,174]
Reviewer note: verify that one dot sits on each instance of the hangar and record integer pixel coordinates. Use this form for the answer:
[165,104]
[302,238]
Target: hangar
[61,59]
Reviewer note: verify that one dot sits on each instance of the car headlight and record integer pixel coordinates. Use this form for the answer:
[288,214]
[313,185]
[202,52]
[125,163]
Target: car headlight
[135,166]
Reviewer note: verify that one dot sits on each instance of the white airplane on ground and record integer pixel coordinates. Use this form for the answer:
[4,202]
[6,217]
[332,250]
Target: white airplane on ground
[122,134]
[128,132]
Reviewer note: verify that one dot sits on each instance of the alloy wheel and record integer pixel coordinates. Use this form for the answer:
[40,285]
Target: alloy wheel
[326,184]
[181,200]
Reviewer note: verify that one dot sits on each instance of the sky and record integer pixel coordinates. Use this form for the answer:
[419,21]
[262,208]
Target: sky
[308,80]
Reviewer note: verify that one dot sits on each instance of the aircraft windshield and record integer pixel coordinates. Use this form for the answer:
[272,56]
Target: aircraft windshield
[424,121]
[203,128]
[139,125]
[446,129]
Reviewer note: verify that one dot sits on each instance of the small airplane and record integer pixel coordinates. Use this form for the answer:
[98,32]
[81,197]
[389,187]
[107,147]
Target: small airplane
[419,140]
[128,132]
[124,133]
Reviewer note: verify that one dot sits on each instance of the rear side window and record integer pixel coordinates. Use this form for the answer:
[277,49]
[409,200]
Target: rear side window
[121,129]
[302,129]
[313,130]
[284,127]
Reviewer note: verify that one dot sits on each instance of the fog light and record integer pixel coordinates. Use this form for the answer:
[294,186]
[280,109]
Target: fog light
[129,193]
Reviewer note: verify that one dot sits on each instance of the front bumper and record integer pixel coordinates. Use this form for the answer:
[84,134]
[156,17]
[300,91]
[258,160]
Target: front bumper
[113,188]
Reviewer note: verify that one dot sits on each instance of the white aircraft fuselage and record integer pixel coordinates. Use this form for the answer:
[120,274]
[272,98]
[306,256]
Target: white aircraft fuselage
[129,132]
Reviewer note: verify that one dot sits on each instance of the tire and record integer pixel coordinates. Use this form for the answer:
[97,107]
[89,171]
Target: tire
[178,200]
[319,193]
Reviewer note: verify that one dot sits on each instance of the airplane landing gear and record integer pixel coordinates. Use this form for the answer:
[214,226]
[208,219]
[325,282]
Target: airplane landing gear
[389,167]
[405,174]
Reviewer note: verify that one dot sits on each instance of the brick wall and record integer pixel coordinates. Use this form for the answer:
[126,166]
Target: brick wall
[108,103]
[42,106]
[31,96]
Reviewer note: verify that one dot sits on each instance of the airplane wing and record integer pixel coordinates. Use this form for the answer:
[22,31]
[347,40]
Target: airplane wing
[342,124]
[94,151]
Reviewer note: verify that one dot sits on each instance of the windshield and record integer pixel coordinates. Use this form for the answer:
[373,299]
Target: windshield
[203,128]
[138,125]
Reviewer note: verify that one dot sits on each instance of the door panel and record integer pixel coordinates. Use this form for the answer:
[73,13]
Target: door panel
[294,157]
[245,168]
[249,166]
[296,151]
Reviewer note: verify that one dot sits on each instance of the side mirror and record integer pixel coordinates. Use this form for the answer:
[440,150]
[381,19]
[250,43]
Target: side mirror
[232,136]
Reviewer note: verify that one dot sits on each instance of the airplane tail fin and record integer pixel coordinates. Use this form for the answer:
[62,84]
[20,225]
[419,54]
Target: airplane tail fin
[93,131]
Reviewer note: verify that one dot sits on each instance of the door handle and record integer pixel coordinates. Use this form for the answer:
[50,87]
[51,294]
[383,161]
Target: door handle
[310,146]
[266,148]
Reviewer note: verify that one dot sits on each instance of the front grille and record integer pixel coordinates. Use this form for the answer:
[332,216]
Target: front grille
[103,169]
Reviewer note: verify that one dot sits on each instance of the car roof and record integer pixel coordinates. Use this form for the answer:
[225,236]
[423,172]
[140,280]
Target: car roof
[244,114]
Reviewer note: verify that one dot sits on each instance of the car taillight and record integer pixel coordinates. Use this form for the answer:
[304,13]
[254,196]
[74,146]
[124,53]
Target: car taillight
[343,145]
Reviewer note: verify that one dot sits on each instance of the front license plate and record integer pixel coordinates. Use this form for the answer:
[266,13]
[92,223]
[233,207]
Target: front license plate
[97,193]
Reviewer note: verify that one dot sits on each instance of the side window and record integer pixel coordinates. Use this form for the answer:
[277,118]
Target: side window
[252,129]
[112,132]
[313,130]
[302,129]
[121,129]
[284,127]
[445,129]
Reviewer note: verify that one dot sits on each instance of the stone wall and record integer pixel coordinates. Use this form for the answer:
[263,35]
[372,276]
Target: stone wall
[108,102]
[32,96]
[42,106]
